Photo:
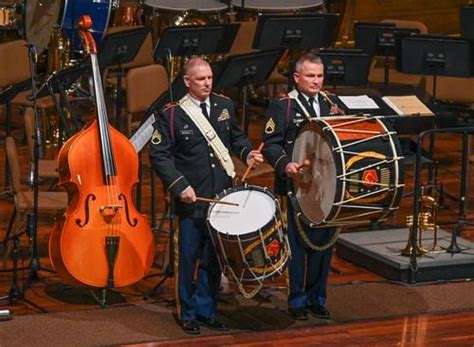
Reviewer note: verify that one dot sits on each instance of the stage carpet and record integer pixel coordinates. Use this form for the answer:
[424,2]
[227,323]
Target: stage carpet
[148,321]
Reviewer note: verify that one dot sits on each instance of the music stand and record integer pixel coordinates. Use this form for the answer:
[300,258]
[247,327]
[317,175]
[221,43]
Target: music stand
[59,82]
[380,39]
[435,55]
[195,40]
[295,31]
[120,48]
[244,69]
[347,67]
[440,56]
[466,22]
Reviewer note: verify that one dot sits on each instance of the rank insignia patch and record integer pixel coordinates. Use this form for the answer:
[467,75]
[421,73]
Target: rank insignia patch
[156,137]
[270,126]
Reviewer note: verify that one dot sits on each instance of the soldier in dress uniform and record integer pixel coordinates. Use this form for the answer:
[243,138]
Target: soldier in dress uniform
[190,167]
[308,267]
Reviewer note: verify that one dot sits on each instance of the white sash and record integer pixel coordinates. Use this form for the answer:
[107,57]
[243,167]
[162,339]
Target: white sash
[202,123]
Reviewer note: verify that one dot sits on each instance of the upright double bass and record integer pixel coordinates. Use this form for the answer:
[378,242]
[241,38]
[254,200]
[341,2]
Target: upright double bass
[102,240]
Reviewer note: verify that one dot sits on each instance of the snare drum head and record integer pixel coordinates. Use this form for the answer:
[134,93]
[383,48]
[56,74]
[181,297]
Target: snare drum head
[40,16]
[315,187]
[183,5]
[255,210]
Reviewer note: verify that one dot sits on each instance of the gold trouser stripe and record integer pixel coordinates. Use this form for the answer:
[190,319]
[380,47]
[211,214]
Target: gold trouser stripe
[176,268]
[278,160]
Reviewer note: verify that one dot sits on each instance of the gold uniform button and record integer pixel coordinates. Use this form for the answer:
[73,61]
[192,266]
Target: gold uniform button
[211,155]
[213,166]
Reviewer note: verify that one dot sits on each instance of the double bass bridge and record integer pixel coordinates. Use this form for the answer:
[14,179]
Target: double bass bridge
[109,212]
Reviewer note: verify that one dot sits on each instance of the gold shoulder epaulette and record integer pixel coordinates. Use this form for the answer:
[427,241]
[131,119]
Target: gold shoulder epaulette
[221,95]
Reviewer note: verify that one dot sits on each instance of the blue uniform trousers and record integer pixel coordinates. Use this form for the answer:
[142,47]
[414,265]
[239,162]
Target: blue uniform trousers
[308,269]
[196,297]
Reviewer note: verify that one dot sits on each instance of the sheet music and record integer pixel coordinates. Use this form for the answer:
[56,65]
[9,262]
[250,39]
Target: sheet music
[143,134]
[359,102]
[407,105]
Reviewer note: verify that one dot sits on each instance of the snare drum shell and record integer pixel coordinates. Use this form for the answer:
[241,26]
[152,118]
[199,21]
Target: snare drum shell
[242,257]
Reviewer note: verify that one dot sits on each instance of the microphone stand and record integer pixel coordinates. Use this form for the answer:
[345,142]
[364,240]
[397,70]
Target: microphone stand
[16,293]
[32,228]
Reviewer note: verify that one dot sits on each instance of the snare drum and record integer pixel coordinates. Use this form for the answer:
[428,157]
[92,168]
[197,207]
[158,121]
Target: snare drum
[249,238]
[161,14]
[252,8]
[355,173]
[40,17]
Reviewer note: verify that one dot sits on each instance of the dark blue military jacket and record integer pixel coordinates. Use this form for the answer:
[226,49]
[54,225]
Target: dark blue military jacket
[181,156]
[283,120]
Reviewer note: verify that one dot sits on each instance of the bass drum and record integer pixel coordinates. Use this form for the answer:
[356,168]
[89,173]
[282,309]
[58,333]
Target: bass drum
[355,175]
[40,17]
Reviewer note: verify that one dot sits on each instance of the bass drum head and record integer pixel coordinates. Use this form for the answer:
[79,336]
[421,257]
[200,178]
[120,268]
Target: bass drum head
[315,187]
[255,210]
[39,18]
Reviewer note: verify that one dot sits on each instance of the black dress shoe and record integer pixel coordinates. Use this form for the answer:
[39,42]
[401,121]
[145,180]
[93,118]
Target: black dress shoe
[319,311]
[191,327]
[212,323]
[298,313]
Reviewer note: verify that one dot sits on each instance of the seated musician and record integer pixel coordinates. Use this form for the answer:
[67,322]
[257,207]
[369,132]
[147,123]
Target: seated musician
[309,265]
[192,165]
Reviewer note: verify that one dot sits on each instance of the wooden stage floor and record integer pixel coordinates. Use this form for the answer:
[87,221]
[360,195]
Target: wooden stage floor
[442,329]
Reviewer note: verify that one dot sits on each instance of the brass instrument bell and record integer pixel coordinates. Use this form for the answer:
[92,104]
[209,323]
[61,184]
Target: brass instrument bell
[427,221]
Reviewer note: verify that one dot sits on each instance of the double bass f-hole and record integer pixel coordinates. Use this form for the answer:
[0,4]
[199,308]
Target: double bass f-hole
[86,209]
[135,221]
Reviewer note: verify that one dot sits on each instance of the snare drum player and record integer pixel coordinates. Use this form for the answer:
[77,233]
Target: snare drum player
[309,264]
[193,165]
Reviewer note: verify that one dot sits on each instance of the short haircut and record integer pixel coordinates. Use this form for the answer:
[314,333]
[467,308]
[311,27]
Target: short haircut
[311,57]
[192,63]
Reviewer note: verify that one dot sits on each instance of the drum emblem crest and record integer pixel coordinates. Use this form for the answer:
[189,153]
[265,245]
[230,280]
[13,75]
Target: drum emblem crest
[273,248]
[369,177]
